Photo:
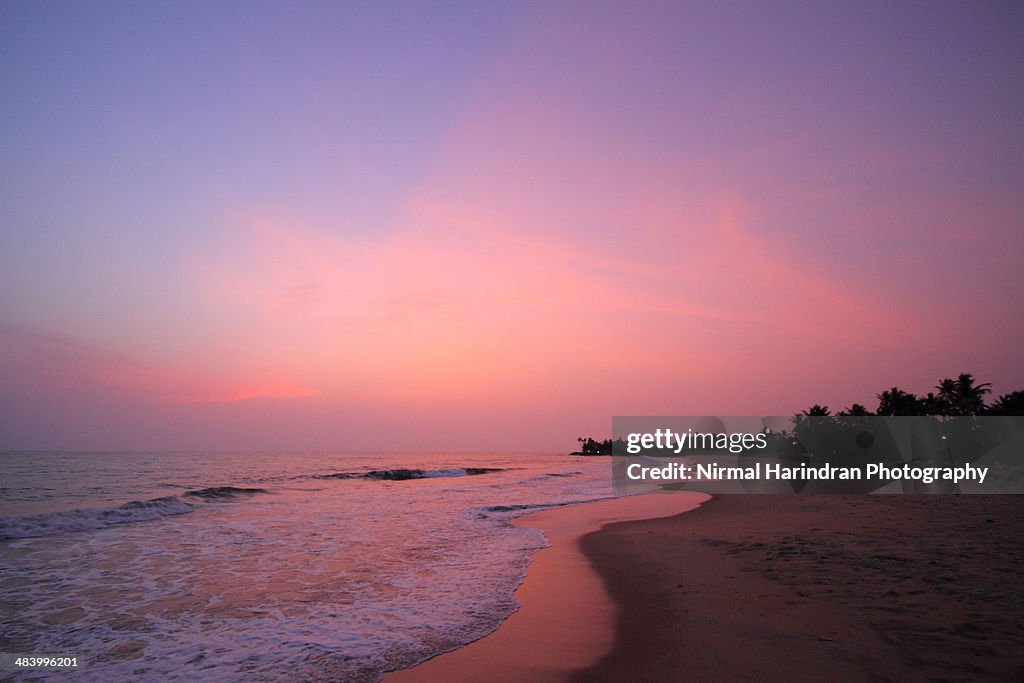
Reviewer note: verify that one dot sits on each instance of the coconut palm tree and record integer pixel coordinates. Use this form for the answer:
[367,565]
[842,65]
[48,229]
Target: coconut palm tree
[962,396]
[856,410]
[932,405]
[816,411]
[1008,404]
[895,401]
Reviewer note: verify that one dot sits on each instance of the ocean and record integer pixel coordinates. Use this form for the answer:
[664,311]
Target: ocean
[264,566]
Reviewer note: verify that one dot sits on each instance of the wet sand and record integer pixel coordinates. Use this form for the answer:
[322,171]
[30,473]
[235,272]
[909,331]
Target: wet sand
[818,588]
[766,588]
[566,619]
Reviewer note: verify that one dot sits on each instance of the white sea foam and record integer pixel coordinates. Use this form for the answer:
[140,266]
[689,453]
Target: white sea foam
[343,581]
[90,519]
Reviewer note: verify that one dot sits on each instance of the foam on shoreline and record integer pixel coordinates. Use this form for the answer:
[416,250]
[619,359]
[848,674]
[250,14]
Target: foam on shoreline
[566,619]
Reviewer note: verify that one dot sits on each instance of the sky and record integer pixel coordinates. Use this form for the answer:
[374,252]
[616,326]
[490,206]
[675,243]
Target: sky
[494,226]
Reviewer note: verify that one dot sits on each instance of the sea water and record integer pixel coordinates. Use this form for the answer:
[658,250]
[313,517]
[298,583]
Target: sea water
[196,566]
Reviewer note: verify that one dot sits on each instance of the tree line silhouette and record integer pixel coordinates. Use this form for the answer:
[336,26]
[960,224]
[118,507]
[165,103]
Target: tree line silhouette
[962,396]
[954,398]
[589,446]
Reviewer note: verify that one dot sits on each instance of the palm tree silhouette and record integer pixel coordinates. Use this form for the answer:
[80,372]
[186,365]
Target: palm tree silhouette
[856,410]
[961,396]
[817,411]
[932,405]
[1008,404]
[895,401]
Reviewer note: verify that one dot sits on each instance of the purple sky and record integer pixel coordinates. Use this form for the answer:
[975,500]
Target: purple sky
[494,226]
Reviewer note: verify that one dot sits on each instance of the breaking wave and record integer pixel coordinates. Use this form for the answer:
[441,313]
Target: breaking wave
[405,474]
[224,492]
[90,519]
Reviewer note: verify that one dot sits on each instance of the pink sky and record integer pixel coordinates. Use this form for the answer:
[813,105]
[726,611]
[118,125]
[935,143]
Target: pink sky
[601,212]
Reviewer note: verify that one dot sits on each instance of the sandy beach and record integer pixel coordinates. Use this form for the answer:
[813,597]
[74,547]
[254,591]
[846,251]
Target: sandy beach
[566,621]
[766,588]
